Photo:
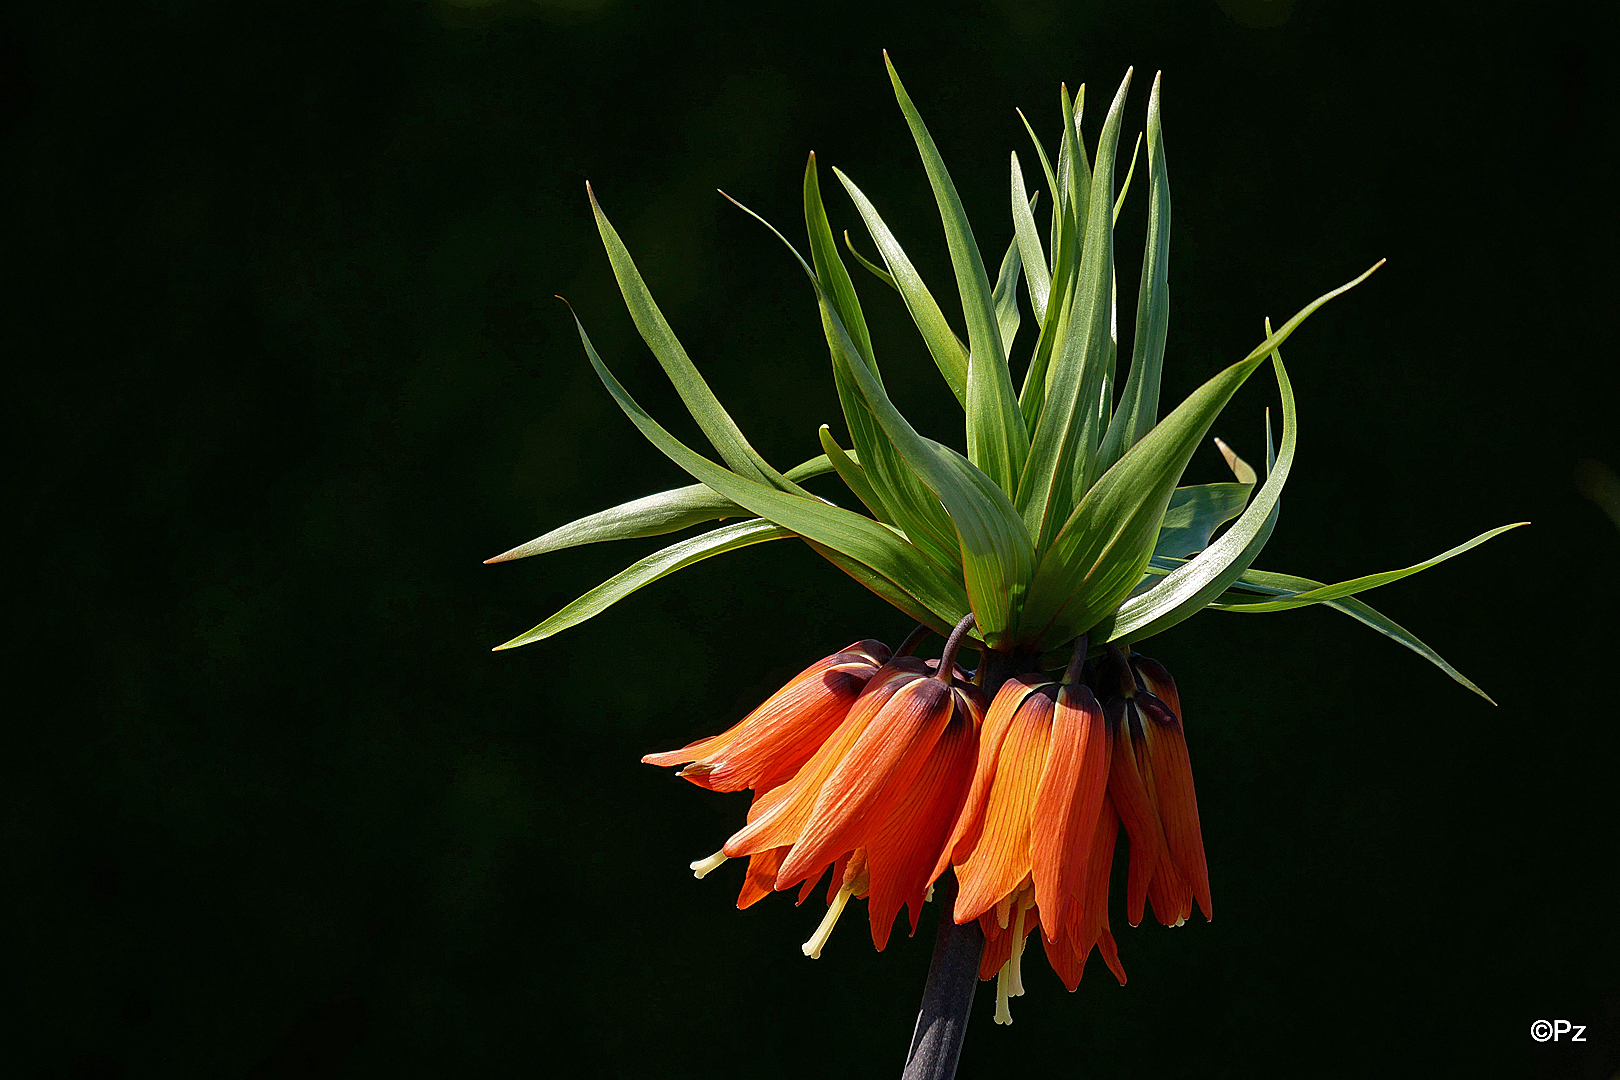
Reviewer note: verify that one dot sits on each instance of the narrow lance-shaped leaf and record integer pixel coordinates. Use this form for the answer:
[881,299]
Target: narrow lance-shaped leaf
[1055,476]
[853,476]
[653,515]
[907,502]
[1100,554]
[1190,589]
[1139,401]
[997,440]
[1130,174]
[1066,241]
[1008,317]
[722,432]
[1051,182]
[996,559]
[660,564]
[875,270]
[858,538]
[949,354]
[1322,593]
[1036,274]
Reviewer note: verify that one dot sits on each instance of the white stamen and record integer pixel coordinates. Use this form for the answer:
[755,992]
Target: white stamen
[818,940]
[1016,963]
[1003,1014]
[1180,921]
[702,867]
[928,897]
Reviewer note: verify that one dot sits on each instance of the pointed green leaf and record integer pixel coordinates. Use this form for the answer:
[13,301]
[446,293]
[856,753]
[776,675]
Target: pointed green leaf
[1066,434]
[1036,274]
[722,432]
[1100,554]
[1269,583]
[1139,402]
[1189,589]
[949,354]
[856,537]
[996,559]
[907,502]
[1008,317]
[657,565]
[853,476]
[997,440]
[1319,594]
[666,512]
[1125,188]
[872,268]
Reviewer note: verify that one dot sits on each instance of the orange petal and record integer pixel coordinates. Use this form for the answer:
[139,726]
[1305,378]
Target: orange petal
[760,880]
[873,776]
[1000,859]
[902,850]
[1178,804]
[993,730]
[1069,800]
[779,815]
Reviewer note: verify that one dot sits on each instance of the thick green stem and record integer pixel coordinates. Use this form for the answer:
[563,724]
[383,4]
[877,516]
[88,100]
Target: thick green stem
[953,974]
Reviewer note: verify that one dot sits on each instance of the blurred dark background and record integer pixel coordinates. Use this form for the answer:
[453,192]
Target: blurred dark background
[287,367]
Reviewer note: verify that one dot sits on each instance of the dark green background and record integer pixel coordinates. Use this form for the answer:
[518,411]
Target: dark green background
[287,367]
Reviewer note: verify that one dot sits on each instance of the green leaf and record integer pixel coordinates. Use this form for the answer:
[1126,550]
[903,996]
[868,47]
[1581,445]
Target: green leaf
[861,539]
[875,270]
[949,354]
[1194,513]
[1139,402]
[1100,554]
[1051,177]
[657,565]
[853,476]
[997,440]
[1190,588]
[654,515]
[996,559]
[1319,594]
[906,502]
[1036,274]
[1130,174]
[722,432]
[1269,583]
[1008,317]
[1074,171]
[1056,475]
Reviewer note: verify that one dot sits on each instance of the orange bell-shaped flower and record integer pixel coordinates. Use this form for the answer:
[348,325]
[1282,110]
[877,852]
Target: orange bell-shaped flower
[768,746]
[1022,844]
[878,799]
[1152,787]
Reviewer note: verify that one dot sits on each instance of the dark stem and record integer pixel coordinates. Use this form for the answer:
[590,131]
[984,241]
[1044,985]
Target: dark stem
[913,639]
[953,974]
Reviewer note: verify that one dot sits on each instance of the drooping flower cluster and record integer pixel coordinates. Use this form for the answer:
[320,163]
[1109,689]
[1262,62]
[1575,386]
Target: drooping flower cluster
[889,771]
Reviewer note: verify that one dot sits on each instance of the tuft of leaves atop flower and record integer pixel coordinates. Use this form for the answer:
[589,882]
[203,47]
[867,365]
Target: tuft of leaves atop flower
[1065,515]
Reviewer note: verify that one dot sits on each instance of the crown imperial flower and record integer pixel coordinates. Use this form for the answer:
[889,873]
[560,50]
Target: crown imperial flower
[1060,530]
